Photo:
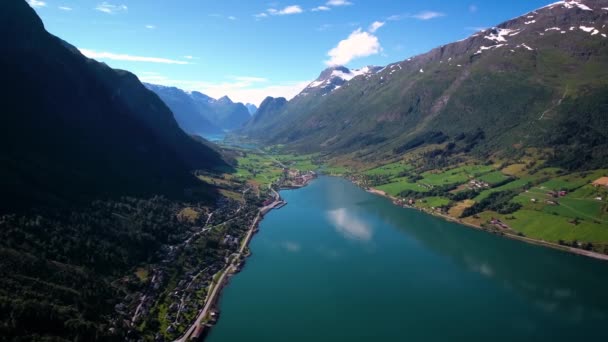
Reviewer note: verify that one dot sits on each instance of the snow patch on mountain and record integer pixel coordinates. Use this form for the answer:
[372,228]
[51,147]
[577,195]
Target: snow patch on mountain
[498,34]
[591,30]
[334,78]
[569,4]
[484,48]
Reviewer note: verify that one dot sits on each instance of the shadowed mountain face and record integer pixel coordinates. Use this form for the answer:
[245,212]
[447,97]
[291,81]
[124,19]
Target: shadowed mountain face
[73,128]
[198,113]
[540,80]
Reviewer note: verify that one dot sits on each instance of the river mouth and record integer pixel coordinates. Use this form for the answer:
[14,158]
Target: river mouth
[340,264]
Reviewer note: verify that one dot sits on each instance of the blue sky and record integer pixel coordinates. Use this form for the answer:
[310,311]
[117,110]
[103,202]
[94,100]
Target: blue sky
[249,49]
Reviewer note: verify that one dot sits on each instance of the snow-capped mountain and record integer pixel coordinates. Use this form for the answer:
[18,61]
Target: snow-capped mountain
[334,78]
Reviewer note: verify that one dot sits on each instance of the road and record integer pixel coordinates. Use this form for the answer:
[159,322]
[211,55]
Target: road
[227,270]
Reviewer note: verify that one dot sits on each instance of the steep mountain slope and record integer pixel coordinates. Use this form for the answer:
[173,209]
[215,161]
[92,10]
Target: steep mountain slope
[229,115]
[269,108]
[331,79]
[74,128]
[191,117]
[198,113]
[251,108]
[521,84]
[94,170]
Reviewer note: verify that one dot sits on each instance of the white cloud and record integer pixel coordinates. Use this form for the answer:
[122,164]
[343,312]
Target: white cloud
[231,17]
[108,8]
[424,15]
[190,57]
[375,26]
[261,15]
[244,89]
[293,9]
[128,58]
[396,17]
[358,44]
[36,3]
[428,15]
[150,27]
[65,8]
[331,3]
[339,3]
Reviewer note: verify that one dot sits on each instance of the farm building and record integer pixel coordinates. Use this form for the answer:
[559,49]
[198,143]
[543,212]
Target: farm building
[601,182]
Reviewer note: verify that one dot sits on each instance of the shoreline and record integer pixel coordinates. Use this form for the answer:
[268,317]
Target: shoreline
[567,249]
[199,331]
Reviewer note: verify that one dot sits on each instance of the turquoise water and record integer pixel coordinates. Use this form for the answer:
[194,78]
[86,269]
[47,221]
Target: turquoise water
[217,137]
[339,264]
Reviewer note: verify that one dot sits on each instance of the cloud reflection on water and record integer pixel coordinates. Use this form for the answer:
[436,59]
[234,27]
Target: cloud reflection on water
[349,225]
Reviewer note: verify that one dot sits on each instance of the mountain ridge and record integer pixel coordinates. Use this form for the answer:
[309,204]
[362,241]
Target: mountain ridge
[88,120]
[199,113]
[499,80]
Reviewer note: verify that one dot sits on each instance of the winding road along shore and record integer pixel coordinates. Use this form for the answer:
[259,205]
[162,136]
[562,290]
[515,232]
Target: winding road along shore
[229,269]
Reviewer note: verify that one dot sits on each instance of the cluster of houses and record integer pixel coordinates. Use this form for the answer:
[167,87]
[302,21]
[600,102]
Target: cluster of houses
[230,240]
[477,184]
[403,202]
[184,296]
[557,194]
[498,223]
[298,178]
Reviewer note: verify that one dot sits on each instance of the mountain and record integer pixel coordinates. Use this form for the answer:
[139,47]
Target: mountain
[229,115]
[265,127]
[334,78]
[190,116]
[267,111]
[251,108]
[198,113]
[536,81]
[73,128]
[94,170]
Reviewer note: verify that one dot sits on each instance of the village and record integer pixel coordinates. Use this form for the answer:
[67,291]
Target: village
[193,295]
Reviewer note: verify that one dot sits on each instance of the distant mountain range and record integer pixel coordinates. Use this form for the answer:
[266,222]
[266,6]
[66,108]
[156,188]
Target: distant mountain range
[73,128]
[197,113]
[536,81]
[252,108]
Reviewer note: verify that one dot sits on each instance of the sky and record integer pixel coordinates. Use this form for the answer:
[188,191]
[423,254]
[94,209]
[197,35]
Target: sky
[249,49]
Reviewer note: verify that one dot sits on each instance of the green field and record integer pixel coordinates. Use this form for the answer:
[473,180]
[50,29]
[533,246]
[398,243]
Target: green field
[573,181]
[259,168]
[457,175]
[335,170]
[548,227]
[516,184]
[433,202]
[583,209]
[394,169]
[301,162]
[493,177]
[396,188]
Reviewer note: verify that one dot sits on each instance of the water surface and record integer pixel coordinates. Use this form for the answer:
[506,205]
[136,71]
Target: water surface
[339,264]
